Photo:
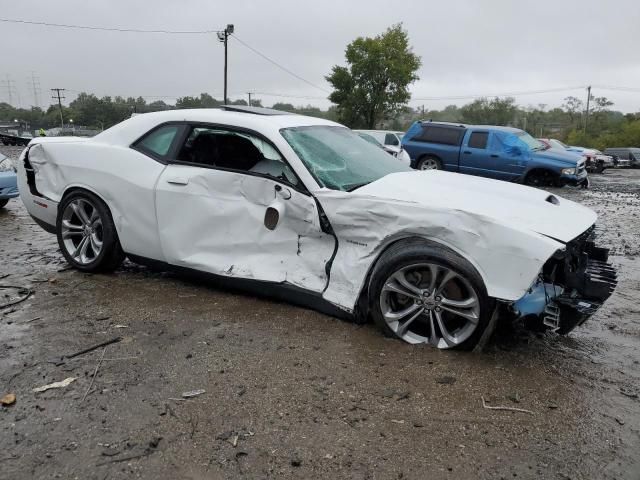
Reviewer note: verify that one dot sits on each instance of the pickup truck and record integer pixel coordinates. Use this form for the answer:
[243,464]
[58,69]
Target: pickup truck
[502,153]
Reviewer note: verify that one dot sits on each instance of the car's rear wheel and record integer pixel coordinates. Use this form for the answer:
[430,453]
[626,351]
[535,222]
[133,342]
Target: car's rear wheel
[3,203]
[429,163]
[422,292]
[86,233]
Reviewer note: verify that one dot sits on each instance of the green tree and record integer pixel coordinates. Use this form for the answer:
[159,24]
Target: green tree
[374,84]
[499,111]
[573,106]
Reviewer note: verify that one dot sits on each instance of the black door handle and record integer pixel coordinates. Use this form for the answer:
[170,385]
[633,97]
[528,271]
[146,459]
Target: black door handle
[495,156]
[467,152]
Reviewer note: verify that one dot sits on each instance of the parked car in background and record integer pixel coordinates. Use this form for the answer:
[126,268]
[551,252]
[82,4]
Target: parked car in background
[303,209]
[503,153]
[595,160]
[396,151]
[386,137]
[626,156]
[8,181]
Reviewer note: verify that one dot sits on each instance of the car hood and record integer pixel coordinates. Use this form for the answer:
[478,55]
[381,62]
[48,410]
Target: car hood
[570,158]
[511,204]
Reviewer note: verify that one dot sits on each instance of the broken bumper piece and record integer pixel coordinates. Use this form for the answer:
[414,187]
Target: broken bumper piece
[572,286]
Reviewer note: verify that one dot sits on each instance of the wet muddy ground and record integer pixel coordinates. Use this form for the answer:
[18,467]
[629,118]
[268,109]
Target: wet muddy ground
[291,393]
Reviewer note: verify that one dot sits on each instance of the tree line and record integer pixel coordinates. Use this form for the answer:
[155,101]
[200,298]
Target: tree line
[99,113]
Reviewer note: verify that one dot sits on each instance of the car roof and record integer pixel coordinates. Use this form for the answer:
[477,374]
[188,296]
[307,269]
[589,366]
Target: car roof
[464,125]
[133,128]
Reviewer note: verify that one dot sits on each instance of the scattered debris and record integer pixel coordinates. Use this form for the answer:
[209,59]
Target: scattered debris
[295,461]
[94,375]
[224,435]
[193,393]
[514,397]
[620,421]
[509,409]
[94,347]
[8,399]
[120,326]
[398,421]
[64,383]
[24,293]
[151,448]
[446,380]
[628,393]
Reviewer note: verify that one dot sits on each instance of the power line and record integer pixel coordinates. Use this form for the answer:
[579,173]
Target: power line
[108,29]
[306,97]
[284,69]
[620,89]
[34,83]
[9,86]
[507,94]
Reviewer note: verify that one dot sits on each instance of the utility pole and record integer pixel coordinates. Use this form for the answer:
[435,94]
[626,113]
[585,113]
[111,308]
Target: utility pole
[224,37]
[60,98]
[35,85]
[9,85]
[249,93]
[586,118]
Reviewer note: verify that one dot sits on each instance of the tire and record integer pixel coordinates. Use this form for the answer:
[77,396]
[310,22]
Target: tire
[420,318]
[88,241]
[3,202]
[542,178]
[429,162]
[599,167]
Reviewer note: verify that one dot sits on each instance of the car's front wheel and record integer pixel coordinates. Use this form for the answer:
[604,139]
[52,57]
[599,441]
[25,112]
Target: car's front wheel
[86,233]
[3,202]
[422,292]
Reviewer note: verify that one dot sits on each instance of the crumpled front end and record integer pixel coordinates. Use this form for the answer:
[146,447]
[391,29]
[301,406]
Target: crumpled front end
[571,287]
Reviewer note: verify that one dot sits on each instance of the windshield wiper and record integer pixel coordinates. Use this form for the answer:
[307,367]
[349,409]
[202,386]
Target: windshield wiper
[355,186]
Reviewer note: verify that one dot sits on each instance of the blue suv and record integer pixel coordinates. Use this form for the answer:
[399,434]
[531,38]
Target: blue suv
[502,153]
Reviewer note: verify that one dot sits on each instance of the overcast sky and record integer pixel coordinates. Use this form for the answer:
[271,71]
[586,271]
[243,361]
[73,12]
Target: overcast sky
[468,47]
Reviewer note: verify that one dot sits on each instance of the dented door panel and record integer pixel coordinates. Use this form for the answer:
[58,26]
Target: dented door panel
[214,221]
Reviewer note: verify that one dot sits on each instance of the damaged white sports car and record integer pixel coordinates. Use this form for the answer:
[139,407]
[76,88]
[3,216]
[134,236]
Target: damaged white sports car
[306,210]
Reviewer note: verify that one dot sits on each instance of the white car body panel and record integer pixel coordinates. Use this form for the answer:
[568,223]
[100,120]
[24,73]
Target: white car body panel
[214,221]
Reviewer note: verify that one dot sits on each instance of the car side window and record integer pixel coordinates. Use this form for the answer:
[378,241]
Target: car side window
[215,147]
[158,142]
[437,134]
[391,139]
[478,140]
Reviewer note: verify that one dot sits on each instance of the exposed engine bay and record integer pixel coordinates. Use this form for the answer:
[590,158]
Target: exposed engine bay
[571,287]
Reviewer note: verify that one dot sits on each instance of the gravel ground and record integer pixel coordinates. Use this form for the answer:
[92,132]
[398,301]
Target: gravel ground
[292,393]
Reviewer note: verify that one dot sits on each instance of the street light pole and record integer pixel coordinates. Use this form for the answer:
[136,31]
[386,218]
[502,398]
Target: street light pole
[224,37]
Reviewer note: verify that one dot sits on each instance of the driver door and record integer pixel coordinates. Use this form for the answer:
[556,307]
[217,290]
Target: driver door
[229,204]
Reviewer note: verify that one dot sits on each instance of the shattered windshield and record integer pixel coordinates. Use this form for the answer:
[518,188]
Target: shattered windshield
[338,158]
[530,142]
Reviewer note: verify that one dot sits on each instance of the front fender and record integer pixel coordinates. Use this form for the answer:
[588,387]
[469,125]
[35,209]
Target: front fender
[507,259]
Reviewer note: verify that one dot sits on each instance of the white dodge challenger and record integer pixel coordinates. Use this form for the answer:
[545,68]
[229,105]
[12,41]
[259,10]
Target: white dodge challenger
[304,209]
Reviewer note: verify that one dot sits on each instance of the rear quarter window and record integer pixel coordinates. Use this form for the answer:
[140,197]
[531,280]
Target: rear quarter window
[437,134]
[158,142]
